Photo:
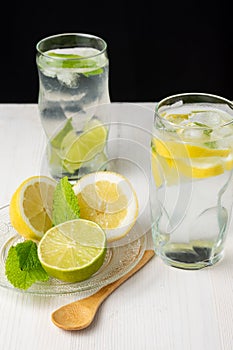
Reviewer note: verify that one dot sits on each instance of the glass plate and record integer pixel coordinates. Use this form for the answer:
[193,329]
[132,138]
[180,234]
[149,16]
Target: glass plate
[119,260]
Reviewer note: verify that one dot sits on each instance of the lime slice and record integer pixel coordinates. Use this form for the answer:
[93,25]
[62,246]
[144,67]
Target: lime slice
[68,139]
[73,251]
[57,140]
[82,148]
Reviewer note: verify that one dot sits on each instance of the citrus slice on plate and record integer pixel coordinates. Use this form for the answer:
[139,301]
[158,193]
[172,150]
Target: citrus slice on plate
[31,207]
[109,199]
[73,251]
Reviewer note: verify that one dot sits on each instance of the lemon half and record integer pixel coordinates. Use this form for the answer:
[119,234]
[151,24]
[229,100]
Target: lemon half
[31,207]
[109,199]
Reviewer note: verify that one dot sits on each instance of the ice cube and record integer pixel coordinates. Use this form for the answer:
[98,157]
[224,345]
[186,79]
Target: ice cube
[192,134]
[69,78]
[208,118]
[222,132]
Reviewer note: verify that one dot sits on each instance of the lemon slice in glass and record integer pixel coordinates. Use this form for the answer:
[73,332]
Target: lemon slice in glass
[172,149]
[201,168]
[73,251]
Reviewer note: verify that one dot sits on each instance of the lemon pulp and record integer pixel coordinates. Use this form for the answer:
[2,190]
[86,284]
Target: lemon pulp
[108,199]
[31,207]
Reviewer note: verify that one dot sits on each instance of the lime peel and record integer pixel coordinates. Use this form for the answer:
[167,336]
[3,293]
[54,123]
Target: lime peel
[58,138]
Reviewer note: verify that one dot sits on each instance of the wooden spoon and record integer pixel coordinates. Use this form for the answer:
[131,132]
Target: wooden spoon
[80,313]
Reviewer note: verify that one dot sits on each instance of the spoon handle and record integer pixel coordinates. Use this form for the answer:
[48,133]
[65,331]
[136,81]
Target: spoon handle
[79,314]
[104,292]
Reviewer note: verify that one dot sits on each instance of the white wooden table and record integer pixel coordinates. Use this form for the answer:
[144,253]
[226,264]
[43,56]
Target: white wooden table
[160,308]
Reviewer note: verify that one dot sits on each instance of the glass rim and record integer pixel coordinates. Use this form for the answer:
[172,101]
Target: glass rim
[187,94]
[83,35]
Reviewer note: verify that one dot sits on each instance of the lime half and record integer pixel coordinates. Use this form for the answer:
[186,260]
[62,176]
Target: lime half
[73,251]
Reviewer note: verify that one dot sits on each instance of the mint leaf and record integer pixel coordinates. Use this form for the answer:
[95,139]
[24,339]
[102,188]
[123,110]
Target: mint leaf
[72,61]
[64,55]
[211,144]
[65,202]
[207,131]
[23,267]
[200,124]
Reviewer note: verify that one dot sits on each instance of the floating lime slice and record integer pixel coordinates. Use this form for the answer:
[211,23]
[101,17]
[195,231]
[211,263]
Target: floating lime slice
[77,149]
[57,140]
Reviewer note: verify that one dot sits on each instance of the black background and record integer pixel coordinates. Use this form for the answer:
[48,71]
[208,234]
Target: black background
[155,49]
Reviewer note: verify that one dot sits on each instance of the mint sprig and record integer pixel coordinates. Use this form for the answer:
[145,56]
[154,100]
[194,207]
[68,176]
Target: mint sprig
[65,202]
[63,60]
[23,267]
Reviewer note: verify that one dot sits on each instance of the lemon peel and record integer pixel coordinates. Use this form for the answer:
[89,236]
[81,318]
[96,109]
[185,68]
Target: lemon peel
[31,207]
[108,199]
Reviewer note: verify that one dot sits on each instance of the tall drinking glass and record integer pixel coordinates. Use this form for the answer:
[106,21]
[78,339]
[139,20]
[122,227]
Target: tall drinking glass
[192,187]
[73,102]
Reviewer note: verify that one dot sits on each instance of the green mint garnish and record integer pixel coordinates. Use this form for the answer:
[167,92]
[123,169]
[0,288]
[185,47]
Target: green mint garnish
[23,267]
[200,124]
[207,131]
[64,55]
[200,111]
[65,203]
[71,61]
[211,144]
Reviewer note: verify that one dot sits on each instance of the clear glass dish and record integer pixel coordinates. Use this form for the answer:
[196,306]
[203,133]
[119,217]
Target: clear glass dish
[119,260]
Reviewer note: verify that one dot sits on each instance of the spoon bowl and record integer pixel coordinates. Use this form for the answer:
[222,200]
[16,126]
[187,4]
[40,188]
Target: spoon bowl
[80,314]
